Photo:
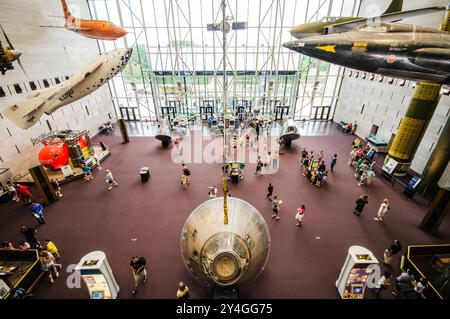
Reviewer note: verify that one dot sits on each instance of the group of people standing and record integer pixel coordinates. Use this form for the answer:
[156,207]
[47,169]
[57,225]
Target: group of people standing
[363,167]
[276,206]
[314,169]
[48,252]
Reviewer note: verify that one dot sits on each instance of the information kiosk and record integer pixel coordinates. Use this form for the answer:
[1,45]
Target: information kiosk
[352,280]
[96,273]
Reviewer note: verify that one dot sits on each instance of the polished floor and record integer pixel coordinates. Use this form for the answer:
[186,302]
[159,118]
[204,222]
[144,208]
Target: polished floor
[146,220]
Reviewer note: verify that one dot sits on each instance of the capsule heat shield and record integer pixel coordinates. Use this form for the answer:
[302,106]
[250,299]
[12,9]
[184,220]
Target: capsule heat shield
[216,254]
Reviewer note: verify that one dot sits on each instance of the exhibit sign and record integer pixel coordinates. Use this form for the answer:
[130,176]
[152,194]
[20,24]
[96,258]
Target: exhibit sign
[67,170]
[97,275]
[390,165]
[414,182]
[357,270]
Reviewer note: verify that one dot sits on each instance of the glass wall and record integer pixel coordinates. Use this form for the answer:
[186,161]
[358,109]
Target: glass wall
[177,63]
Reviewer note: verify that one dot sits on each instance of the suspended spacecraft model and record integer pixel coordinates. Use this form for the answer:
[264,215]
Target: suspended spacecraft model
[27,112]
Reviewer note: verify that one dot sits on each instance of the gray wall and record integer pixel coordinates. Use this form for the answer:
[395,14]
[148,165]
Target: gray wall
[385,103]
[47,53]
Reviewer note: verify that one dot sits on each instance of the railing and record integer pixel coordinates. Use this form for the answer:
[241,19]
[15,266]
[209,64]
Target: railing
[393,181]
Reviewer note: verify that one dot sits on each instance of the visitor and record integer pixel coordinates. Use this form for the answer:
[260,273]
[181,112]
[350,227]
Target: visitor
[110,180]
[49,266]
[56,187]
[357,165]
[382,210]
[87,173]
[393,250]
[212,191]
[403,282]
[320,156]
[24,193]
[37,211]
[51,247]
[299,215]
[30,235]
[183,291]
[313,177]
[303,156]
[333,161]
[320,177]
[12,190]
[137,264]
[305,164]
[308,174]
[24,246]
[259,166]
[96,159]
[383,283]
[352,157]
[8,245]
[186,172]
[360,203]
[269,192]
[276,207]
[362,169]
[419,287]
[356,143]
[322,167]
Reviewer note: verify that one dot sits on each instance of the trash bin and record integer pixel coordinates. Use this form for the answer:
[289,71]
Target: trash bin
[145,174]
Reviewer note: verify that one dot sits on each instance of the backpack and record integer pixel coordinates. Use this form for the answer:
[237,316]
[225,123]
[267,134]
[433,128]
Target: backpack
[187,172]
[21,293]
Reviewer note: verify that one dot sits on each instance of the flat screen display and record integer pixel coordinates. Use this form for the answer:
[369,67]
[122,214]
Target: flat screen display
[98,295]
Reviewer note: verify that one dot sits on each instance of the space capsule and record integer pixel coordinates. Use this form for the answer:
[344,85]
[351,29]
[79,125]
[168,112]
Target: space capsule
[54,155]
[219,254]
[289,132]
[164,134]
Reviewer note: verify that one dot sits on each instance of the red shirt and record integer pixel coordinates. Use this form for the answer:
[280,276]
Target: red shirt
[24,191]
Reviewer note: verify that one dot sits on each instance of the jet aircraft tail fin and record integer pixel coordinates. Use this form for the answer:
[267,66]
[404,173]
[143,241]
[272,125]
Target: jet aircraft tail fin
[395,6]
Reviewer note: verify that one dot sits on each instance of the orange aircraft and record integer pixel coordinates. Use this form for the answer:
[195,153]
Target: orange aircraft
[94,29]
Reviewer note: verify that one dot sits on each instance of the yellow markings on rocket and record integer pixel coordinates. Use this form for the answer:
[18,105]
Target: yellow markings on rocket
[327,48]
[427,91]
[360,44]
[406,137]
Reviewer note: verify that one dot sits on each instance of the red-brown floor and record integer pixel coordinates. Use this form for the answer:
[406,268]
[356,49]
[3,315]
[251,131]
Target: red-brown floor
[88,218]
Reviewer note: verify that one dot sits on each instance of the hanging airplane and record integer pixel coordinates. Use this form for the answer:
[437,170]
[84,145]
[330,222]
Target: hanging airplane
[94,29]
[330,25]
[8,55]
[26,113]
[397,50]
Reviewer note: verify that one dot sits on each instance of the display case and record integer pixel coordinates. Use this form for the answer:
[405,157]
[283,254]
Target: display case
[18,269]
[355,272]
[97,275]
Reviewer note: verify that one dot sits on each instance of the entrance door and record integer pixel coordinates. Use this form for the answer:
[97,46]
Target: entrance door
[168,112]
[281,112]
[129,113]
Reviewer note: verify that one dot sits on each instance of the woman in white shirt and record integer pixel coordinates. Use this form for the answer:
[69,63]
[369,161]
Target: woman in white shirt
[382,210]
